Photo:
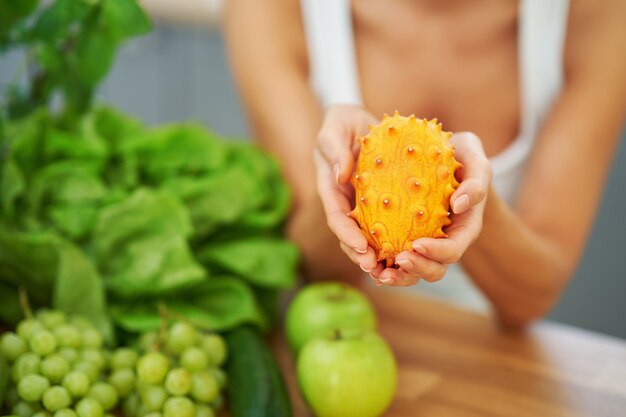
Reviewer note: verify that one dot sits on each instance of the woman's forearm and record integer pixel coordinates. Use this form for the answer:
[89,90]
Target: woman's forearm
[519,270]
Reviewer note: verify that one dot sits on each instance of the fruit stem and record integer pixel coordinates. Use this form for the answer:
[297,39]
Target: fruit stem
[162,333]
[337,335]
[24,304]
[339,295]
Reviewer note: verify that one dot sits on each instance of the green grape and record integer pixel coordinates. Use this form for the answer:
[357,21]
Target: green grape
[76,383]
[26,364]
[88,407]
[152,367]
[89,369]
[42,413]
[147,341]
[56,398]
[123,358]
[94,356]
[180,336]
[123,380]
[12,346]
[27,328]
[204,411]
[23,409]
[12,397]
[92,338]
[218,403]
[194,359]
[68,336]
[215,348]
[204,387]
[42,342]
[54,367]
[178,407]
[220,376]
[51,318]
[81,322]
[131,404]
[105,394]
[69,354]
[32,386]
[178,381]
[65,412]
[152,397]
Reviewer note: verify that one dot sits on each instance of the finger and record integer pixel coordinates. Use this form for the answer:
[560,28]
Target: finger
[475,174]
[469,193]
[463,231]
[417,265]
[336,206]
[367,261]
[375,274]
[336,140]
[397,278]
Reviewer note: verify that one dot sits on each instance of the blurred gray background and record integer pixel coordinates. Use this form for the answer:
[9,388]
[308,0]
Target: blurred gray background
[178,73]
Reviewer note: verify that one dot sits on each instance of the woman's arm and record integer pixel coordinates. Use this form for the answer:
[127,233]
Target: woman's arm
[524,256]
[268,56]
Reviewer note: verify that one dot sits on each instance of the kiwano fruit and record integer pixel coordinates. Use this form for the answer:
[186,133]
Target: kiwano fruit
[403,181]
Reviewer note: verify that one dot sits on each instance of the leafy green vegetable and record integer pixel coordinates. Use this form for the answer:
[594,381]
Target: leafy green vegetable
[140,244]
[266,262]
[103,217]
[219,303]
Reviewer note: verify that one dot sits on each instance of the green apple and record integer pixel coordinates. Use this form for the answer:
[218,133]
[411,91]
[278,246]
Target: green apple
[321,307]
[347,374]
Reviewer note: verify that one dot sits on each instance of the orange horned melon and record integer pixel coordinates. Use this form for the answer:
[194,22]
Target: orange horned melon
[403,181]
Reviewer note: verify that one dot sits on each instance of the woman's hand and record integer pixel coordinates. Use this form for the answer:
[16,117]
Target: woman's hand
[430,257]
[335,155]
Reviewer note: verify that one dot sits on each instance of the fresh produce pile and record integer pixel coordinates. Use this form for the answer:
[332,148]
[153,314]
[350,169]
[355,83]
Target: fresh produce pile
[57,364]
[103,217]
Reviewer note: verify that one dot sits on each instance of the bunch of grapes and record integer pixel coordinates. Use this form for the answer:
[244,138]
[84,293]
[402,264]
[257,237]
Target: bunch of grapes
[57,364]
[177,375]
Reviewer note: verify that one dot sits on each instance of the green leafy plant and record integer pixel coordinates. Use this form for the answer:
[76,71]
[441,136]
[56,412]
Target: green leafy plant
[103,217]
[69,47]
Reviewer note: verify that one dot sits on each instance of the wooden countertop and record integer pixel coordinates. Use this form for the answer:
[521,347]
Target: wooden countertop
[458,363]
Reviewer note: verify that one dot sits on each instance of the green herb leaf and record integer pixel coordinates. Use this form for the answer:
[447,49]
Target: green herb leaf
[125,18]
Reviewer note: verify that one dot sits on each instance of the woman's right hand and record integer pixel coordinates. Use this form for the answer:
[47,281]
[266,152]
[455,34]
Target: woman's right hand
[335,156]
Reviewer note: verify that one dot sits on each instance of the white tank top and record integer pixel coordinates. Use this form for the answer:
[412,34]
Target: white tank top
[541,37]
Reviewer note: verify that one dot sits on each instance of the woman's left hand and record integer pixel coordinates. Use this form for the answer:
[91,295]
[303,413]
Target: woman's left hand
[430,257]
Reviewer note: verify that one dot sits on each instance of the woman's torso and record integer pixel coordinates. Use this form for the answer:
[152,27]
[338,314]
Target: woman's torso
[489,66]
[454,60]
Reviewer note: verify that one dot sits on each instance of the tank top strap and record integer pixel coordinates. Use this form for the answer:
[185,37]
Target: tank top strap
[542,32]
[332,58]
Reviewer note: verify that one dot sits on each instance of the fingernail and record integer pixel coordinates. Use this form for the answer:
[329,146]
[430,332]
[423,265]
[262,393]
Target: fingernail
[402,262]
[419,249]
[361,251]
[365,269]
[461,203]
[336,171]
[386,280]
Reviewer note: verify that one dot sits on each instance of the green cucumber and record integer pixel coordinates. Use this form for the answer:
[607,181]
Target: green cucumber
[255,385]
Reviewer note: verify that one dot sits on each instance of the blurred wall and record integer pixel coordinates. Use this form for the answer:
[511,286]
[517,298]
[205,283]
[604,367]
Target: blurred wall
[180,74]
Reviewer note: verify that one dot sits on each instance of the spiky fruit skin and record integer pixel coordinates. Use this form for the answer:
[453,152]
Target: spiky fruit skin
[403,181]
